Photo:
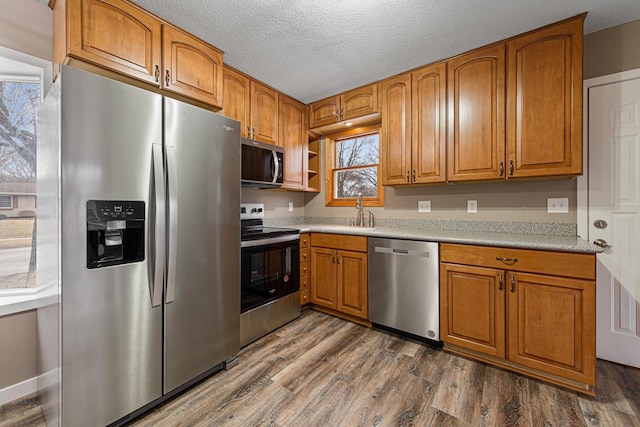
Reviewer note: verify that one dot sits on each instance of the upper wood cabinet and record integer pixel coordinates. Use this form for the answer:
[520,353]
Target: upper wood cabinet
[429,120]
[414,127]
[237,99]
[476,115]
[254,105]
[191,68]
[264,113]
[358,105]
[395,141]
[114,34]
[121,37]
[545,101]
[293,138]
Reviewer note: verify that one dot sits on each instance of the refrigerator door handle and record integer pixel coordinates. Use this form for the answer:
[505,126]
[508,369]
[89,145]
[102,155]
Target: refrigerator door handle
[160,230]
[173,224]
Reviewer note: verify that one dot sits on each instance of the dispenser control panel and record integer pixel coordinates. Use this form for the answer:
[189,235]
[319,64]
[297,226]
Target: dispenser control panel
[115,232]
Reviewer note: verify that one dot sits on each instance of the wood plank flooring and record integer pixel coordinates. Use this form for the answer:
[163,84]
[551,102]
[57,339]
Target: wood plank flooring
[323,371]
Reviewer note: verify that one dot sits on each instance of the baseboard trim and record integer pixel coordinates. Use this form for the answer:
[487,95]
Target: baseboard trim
[16,391]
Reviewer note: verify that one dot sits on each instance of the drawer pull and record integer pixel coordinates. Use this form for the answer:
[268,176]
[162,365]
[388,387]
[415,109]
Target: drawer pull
[500,258]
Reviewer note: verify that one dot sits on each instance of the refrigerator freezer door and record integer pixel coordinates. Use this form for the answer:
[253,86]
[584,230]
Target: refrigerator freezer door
[202,321]
[111,334]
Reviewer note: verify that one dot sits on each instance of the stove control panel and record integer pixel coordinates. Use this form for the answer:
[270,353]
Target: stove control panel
[251,210]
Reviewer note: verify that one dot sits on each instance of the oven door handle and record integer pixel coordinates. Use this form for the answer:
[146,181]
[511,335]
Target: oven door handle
[269,241]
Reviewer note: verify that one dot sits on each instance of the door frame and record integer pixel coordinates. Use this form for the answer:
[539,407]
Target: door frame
[583,180]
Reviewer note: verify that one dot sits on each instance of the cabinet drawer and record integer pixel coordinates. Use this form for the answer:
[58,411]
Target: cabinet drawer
[304,283]
[304,297]
[304,255]
[304,268]
[339,241]
[304,240]
[545,262]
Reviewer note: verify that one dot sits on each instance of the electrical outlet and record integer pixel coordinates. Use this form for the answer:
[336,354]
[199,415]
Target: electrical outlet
[472,206]
[290,206]
[424,206]
[557,205]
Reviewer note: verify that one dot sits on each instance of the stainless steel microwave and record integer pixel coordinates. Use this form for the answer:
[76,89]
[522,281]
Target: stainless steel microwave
[262,164]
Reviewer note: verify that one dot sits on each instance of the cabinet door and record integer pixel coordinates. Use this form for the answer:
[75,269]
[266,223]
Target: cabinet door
[428,140]
[472,311]
[323,277]
[293,138]
[476,115]
[191,67]
[114,34]
[545,102]
[552,325]
[264,113]
[395,144]
[359,102]
[352,284]
[324,112]
[237,99]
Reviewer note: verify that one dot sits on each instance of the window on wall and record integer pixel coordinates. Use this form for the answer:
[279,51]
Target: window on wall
[6,202]
[352,167]
[20,97]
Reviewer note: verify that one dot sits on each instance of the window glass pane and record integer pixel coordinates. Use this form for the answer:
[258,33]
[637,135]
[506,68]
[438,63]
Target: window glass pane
[359,151]
[353,181]
[19,101]
[5,202]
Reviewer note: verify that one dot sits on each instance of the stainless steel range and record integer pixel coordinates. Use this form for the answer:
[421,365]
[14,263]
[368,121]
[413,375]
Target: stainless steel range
[270,276]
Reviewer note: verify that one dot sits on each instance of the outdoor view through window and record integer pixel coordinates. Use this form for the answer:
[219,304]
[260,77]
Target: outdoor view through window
[357,166]
[19,100]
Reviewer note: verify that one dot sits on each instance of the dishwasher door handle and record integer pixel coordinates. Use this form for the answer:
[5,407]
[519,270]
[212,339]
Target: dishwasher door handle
[406,252]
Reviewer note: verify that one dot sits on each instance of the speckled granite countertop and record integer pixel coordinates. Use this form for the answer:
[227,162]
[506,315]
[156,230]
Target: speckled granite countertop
[511,240]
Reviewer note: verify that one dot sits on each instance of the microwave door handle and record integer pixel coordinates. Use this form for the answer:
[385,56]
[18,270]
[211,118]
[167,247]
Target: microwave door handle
[277,167]
[173,224]
[160,231]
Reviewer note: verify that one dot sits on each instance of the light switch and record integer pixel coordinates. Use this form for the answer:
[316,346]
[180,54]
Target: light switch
[472,206]
[290,206]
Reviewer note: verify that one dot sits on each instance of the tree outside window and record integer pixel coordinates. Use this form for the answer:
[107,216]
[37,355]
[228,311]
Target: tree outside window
[19,99]
[353,162]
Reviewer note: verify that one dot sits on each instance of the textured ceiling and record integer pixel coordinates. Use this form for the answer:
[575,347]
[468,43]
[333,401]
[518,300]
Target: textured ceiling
[311,49]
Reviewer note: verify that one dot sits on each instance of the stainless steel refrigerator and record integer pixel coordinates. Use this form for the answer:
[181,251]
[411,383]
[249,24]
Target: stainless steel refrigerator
[138,247]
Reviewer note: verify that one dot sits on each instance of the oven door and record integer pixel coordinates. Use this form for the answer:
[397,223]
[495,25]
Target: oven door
[270,270]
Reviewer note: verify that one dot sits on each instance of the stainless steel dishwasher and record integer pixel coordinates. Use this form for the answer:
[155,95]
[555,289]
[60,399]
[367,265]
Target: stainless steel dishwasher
[403,286]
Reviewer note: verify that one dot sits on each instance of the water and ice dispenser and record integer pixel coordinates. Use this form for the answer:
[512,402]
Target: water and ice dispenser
[115,232]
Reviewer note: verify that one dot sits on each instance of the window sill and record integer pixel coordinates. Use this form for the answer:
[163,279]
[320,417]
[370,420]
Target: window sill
[12,304]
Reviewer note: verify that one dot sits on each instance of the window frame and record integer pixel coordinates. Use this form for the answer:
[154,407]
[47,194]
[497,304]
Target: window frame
[330,167]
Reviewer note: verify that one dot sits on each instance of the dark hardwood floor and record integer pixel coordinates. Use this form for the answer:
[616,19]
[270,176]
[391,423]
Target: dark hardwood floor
[323,371]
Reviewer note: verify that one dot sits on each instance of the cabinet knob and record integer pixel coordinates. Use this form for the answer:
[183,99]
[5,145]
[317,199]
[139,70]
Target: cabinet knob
[511,167]
[499,281]
[414,175]
[156,74]
[408,179]
[513,283]
[501,168]
[167,78]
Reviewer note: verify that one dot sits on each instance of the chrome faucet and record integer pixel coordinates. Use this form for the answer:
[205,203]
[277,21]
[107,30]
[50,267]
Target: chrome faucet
[360,208]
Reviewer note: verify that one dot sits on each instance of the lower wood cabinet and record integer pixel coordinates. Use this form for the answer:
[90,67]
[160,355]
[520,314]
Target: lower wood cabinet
[305,296]
[528,311]
[339,274]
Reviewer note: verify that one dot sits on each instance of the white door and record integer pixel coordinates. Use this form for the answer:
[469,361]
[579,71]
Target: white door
[614,216]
